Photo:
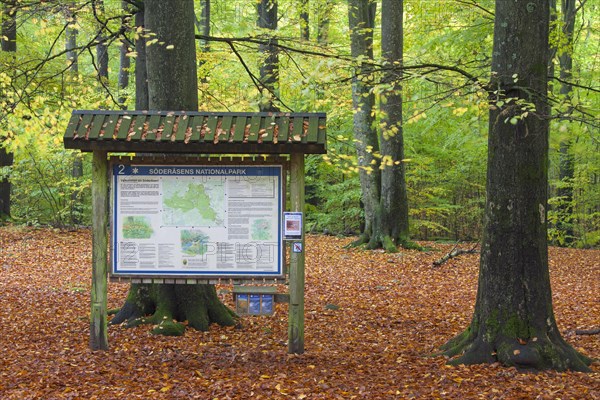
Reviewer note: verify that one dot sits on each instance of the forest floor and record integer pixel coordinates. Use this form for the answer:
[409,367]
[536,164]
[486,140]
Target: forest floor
[373,321]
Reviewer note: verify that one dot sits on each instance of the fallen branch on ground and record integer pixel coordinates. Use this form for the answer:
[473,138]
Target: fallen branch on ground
[587,331]
[455,253]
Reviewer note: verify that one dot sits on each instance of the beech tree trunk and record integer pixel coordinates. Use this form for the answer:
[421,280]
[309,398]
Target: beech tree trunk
[361,18]
[269,69]
[394,201]
[513,321]
[8,41]
[172,86]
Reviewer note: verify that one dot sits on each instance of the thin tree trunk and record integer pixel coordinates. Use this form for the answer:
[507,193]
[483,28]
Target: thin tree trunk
[304,20]
[566,162]
[124,64]
[71,41]
[361,18]
[513,322]
[73,59]
[203,26]
[269,69]
[324,18]
[101,48]
[141,71]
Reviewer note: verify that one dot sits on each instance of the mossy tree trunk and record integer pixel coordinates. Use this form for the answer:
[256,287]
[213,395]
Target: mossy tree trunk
[513,321]
[381,170]
[393,229]
[172,85]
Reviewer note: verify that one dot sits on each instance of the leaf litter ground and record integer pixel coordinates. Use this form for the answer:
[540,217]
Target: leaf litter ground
[373,320]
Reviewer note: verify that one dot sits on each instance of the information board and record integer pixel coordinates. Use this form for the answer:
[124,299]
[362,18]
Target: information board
[197,220]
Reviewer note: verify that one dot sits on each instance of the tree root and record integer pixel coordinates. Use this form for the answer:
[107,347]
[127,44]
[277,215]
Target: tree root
[551,352]
[362,239]
[385,242]
[167,306]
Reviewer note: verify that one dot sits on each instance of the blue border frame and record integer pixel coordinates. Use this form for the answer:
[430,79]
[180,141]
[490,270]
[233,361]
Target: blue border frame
[126,169]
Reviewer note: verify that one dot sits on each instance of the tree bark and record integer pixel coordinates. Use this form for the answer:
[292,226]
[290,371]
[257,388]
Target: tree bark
[361,18]
[172,85]
[71,41]
[8,39]
[8,42]
[304,20]
[71,34]
[172,75]
[101,48]
[513,322]
[269,69]
[394,200]
[324,18]
[203,26]
[141,71]
[124,63]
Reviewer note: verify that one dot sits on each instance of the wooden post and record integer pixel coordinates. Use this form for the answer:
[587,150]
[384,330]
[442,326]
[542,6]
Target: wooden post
[98,316]
[296,308]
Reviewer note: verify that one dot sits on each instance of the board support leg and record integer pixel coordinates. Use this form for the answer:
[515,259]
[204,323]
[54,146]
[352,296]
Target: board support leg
[98,315]
[296,306]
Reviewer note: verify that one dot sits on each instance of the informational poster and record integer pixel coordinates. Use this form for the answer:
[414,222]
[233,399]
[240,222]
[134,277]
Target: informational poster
[195,220]
[292,225]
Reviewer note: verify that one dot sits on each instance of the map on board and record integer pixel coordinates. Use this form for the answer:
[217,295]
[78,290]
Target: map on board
[187,202]
[197,220]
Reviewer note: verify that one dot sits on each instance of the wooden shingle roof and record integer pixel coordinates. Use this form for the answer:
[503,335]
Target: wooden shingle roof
[196,132]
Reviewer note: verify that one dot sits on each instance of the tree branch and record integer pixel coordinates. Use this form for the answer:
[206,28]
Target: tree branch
[455,253]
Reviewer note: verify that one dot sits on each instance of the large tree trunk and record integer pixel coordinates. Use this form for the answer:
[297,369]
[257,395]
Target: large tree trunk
[172,75]
[394,202]
[513,321]
[172,86]
[8,41]
[361,18]
[269,69]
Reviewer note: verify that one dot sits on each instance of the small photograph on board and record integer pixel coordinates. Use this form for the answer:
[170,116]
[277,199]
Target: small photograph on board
[292,225]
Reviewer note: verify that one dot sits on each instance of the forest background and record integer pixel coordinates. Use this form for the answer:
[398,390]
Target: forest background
[82,54]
